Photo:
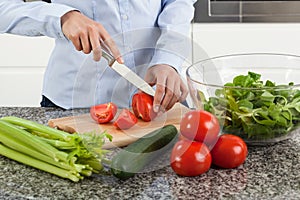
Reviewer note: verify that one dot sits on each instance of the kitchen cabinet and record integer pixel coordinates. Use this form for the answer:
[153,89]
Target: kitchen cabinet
[22,64]
[217,39]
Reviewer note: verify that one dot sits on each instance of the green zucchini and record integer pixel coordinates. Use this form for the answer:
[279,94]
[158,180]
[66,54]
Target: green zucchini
[139,154]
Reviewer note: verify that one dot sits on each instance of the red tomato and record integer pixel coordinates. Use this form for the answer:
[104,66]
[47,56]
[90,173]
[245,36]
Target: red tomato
[103,113]
[201,126]
[181,137]
[230,151]
[142,105]
[190,158]
[125,120]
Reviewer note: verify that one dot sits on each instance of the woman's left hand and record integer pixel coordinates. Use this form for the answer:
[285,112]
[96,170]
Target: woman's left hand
[169,87]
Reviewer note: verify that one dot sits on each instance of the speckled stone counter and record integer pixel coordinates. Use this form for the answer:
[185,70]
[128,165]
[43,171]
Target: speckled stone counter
[271,172]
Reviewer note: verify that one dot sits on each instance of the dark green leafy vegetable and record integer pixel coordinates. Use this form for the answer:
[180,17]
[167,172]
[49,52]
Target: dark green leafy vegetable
[71,156]
[255,110]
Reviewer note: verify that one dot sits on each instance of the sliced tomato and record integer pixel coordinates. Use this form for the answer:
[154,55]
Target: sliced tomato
[142,105]
[103,113]
[125,120]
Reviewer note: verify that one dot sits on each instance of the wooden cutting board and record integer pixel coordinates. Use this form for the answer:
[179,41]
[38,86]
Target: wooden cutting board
[84,123]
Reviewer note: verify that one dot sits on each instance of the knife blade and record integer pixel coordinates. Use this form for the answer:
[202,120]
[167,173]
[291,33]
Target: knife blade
[127,73]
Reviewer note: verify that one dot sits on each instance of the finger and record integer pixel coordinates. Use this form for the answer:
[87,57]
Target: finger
[97,53]
[172,103]
[111,45]
[159,92]
[184,91]
[168,100]
[85,42]
[150,79]
[114,50]
[176,96]
[76,42]
[95,43]
[169,94]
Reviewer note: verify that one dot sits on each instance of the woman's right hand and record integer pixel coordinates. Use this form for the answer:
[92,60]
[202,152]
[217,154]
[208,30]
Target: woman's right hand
[86,35]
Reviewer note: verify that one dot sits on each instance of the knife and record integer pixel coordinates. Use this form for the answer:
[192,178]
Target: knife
[127,73]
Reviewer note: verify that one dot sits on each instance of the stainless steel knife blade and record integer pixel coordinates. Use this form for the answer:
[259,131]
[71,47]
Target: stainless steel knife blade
[127,73]
[133,78]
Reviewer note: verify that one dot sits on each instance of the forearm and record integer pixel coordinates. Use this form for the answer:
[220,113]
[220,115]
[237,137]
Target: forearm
[174,22]
[31,19]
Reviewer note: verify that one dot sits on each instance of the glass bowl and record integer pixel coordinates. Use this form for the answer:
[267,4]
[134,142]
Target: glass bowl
[255,96]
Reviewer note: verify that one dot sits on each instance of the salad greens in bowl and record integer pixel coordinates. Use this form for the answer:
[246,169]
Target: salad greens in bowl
[254,96]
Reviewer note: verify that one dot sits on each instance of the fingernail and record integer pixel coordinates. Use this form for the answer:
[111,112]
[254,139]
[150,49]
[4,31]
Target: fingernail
[96,58]
[160,113]
[156,108]
[121,60]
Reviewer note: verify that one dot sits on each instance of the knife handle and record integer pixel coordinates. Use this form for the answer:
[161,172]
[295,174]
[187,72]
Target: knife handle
[110,59]
[106,54]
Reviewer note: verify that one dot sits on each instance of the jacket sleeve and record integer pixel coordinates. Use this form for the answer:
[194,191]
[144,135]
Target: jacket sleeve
[174,23]
[32,18]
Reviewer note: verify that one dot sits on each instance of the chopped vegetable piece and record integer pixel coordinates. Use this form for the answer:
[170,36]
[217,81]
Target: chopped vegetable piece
[125,120]
[142,106]
[103,113]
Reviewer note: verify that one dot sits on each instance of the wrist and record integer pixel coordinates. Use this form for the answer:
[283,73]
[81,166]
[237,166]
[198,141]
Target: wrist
[68,15]
[164,66]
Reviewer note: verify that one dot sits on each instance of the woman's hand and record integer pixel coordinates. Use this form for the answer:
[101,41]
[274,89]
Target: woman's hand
[169,86]
[86,35]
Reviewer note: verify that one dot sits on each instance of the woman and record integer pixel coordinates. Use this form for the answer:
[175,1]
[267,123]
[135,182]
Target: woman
[149,36]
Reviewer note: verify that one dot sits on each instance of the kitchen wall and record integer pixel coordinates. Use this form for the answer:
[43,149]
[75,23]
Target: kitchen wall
[23,59]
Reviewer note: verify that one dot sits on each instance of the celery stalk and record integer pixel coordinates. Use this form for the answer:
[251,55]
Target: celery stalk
[58,144]
[29,139]
[93,162]
[67,155]
[53,133]
[86,172]
[25,159]
[21,147]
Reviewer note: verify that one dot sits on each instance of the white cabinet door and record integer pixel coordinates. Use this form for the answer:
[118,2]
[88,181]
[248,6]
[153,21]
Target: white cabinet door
[22,64]
[217,39]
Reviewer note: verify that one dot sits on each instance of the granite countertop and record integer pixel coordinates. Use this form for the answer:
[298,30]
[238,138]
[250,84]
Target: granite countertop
[271,172]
